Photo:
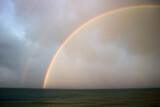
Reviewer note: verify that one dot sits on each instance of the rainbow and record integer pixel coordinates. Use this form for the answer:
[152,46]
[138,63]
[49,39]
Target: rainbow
[82,26]
[43,37]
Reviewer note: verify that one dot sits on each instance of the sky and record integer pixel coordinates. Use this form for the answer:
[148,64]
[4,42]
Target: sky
[120,50]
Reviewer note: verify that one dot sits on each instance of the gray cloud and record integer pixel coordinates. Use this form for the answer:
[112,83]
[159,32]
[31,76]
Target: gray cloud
[12,57]
[23,23]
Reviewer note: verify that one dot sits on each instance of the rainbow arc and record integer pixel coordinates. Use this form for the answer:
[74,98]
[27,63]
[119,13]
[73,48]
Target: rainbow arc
[82,26]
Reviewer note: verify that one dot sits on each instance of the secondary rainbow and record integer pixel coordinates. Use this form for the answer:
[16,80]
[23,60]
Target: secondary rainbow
[43,37]
[82,26]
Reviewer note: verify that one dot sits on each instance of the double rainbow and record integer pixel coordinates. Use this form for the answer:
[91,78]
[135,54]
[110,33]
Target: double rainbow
[82,26]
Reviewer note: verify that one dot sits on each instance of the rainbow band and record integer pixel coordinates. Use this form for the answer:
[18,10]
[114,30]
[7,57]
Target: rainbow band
[82,26]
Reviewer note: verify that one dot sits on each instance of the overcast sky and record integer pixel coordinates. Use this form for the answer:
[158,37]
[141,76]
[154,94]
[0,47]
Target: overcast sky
[120,50]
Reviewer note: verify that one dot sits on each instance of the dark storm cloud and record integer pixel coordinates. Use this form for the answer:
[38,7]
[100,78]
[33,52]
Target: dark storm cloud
[12,57]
